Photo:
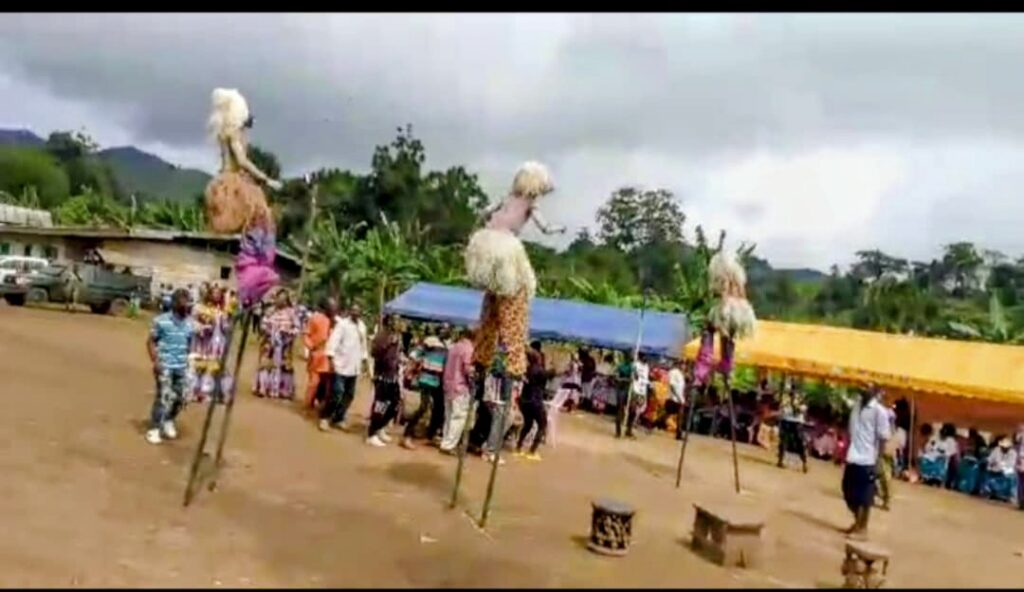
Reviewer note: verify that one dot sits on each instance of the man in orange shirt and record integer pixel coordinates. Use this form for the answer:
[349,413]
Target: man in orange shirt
[318,365]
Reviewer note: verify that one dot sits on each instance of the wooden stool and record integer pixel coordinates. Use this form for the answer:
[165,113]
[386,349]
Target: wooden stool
[728,535]
[859,567]
[611,526]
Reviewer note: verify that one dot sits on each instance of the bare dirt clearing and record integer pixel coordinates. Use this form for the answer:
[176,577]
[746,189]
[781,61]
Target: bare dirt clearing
[86,502]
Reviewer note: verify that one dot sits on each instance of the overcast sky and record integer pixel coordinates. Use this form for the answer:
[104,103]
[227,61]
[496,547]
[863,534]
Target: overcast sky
[813,135]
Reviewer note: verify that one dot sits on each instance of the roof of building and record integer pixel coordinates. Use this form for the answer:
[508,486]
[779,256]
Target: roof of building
[10,214]
[144,234]
[118,233]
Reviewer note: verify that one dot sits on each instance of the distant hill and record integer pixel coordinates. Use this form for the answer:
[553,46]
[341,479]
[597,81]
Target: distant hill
[148,175]
[20,137]
[810,276]
[151,176]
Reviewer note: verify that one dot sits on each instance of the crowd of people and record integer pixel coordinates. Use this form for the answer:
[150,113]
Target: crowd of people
[437,364]
[187,342]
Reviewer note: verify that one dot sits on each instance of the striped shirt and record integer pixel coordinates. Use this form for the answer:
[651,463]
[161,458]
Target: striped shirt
[173,337]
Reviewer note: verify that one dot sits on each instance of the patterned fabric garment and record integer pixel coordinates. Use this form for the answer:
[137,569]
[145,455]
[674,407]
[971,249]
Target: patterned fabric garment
[212,326]
[173,338]
[705,358]
[276,378]
[254,264]
[171,387]
[504,320]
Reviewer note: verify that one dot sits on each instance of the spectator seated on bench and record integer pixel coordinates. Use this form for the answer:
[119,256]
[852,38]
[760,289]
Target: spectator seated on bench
[968,475]
[934,461]
[1000,475]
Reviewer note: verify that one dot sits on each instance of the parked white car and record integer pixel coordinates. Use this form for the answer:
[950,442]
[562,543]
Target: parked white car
[13,264]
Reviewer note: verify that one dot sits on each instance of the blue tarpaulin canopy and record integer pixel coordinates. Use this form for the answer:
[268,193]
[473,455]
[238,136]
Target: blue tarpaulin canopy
[596,325]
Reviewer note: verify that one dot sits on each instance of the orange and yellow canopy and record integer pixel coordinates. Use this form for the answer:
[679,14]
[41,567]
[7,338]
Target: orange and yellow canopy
[979,371]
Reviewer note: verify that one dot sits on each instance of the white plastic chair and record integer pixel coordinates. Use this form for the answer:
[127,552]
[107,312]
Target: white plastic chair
[553,408]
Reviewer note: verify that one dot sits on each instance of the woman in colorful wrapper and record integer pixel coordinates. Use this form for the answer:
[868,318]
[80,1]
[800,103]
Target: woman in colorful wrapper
[211,323]
[278,330]
[235,201]
[497,263]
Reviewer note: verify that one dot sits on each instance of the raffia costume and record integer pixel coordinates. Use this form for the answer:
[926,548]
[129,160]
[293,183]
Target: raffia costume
[731,316]
[235,201]
[497,263]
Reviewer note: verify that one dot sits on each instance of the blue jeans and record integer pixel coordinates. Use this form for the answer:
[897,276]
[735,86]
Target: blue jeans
[344,391]
[171,386]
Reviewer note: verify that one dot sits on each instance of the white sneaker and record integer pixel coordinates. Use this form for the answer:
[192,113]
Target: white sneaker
[169,430]
[153,436]
[490,459]
[375,440]
[383,435]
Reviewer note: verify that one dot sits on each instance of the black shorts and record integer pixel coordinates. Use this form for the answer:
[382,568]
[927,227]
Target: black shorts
[859,486]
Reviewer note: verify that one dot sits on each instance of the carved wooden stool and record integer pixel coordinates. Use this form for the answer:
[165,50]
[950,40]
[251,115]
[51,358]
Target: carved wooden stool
[859,567]
[728,535]
[611,526]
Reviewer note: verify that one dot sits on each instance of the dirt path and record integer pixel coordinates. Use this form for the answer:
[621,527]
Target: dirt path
[86,502]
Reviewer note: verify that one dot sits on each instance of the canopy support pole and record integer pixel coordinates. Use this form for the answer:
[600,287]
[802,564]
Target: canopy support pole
[911,457]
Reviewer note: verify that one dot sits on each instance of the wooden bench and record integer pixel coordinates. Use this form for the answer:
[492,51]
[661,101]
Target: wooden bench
[728,535]
[859,567]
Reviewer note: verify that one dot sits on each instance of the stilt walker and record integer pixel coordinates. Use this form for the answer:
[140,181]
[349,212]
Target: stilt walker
[497,263]
[235,203]
[732,318]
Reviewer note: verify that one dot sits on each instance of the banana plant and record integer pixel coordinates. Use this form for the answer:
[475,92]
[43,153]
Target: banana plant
[387,263]
[995,329]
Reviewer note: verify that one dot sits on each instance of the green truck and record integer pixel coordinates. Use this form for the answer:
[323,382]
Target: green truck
[100,287]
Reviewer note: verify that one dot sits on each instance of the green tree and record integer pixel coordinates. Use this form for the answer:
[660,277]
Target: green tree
[633,218]
[86,172]
[897,307]
[872,265]
[961,261]
[264,160]
[28,169]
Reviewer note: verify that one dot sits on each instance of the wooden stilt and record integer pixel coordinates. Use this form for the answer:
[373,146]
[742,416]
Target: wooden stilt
[222,437]
[464,442]
[197,458]
[686,433]
[732,432]
[506,409]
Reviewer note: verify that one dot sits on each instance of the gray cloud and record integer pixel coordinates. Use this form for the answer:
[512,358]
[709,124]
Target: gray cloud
[734,113]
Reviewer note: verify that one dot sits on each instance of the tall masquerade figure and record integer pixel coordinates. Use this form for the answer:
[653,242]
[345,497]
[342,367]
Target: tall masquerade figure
[496,262]
[731,316]
[235,201]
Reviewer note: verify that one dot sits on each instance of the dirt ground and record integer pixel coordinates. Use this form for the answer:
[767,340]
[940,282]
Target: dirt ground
[85,502]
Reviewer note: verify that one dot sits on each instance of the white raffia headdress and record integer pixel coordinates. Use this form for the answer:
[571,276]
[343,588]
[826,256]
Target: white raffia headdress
[229,112]
[532,180]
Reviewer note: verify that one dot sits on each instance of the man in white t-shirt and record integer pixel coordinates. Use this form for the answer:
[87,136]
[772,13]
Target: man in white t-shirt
[676,396]
[347,349]
[869,429]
